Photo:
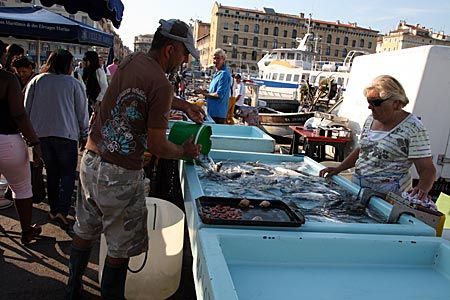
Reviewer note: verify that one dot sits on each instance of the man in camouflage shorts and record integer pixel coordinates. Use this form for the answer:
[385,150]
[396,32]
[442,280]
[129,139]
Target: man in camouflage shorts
[132,118]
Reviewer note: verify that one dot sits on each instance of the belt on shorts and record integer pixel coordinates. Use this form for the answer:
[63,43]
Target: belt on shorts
[96,154]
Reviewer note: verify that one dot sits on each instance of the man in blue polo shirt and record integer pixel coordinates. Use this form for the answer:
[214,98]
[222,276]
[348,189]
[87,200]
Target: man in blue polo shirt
[219,89]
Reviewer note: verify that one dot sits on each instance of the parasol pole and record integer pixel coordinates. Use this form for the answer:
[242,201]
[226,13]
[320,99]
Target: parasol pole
[38,55]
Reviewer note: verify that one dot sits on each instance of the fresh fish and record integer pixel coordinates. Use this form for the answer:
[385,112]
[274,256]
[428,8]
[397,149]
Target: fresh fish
[319,199]
[310,196]
[262,171]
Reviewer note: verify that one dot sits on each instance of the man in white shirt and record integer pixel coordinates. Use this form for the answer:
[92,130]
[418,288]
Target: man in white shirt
[238,92]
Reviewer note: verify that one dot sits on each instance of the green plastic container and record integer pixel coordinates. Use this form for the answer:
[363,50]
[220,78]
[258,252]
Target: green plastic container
[181,131]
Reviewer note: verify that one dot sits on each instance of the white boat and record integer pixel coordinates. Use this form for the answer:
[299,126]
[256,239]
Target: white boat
[284,71]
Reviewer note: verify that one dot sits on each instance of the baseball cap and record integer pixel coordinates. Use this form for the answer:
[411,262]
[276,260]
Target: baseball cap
[238,75]
[179,31]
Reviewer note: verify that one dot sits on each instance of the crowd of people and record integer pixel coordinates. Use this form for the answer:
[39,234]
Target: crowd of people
[114,116]
[126,109]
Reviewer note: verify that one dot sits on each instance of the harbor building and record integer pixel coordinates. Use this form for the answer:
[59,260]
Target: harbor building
[247,34]
[143,42]
[408,36]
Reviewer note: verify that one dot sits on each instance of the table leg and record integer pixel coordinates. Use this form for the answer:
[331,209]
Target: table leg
[294,143]
[310,149]
[339,154]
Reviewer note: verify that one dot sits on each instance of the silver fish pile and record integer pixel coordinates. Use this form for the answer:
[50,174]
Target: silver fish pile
[319,199]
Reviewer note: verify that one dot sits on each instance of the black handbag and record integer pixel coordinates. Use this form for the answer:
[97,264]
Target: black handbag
[37,183]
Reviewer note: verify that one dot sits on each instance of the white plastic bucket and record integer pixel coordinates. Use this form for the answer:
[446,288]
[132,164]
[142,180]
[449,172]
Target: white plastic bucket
[3,186]
[160,277]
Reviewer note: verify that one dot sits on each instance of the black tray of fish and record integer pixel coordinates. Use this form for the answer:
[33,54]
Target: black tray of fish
[254,212]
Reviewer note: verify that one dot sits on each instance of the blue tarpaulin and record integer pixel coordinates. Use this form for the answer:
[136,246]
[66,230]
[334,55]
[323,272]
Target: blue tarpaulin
[37,23]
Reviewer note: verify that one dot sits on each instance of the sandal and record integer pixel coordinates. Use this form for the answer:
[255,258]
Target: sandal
[51,216]
[63,223]
[31,234]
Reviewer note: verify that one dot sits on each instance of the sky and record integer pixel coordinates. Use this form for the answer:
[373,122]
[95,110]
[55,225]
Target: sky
[142,16]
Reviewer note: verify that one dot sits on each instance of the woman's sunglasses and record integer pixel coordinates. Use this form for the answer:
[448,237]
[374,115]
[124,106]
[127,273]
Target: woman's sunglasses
[376,102]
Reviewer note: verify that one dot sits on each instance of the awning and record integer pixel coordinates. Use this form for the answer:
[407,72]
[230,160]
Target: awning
[37,23]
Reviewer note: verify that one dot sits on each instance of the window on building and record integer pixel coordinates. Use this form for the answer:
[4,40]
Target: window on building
[285,33]
[336,53]
[281,78]
[274,44]
[293,44]
[234,53]
[225,25]
[338,41]
[244,41]
[266,31]
[354,43]
[274,76]
[255,42]
[84,19]
[236,26]
[288,77]
[225,39]
[345,41]
[244,55]
[275,31]
[369,45]
[245,28]
[328,50]
[290,55]
[294,33]
[265,44]
[329,38]
[256,29]
[254,55]
[296,78]
[361,43]
[284,45]
[344,52]
[235,39]
[283,56]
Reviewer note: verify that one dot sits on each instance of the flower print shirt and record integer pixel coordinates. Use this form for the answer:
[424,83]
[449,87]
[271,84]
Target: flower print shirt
[386,158]
[139,97]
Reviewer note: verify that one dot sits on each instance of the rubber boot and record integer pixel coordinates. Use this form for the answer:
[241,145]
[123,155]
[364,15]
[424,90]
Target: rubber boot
[113,281]
[79,259]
